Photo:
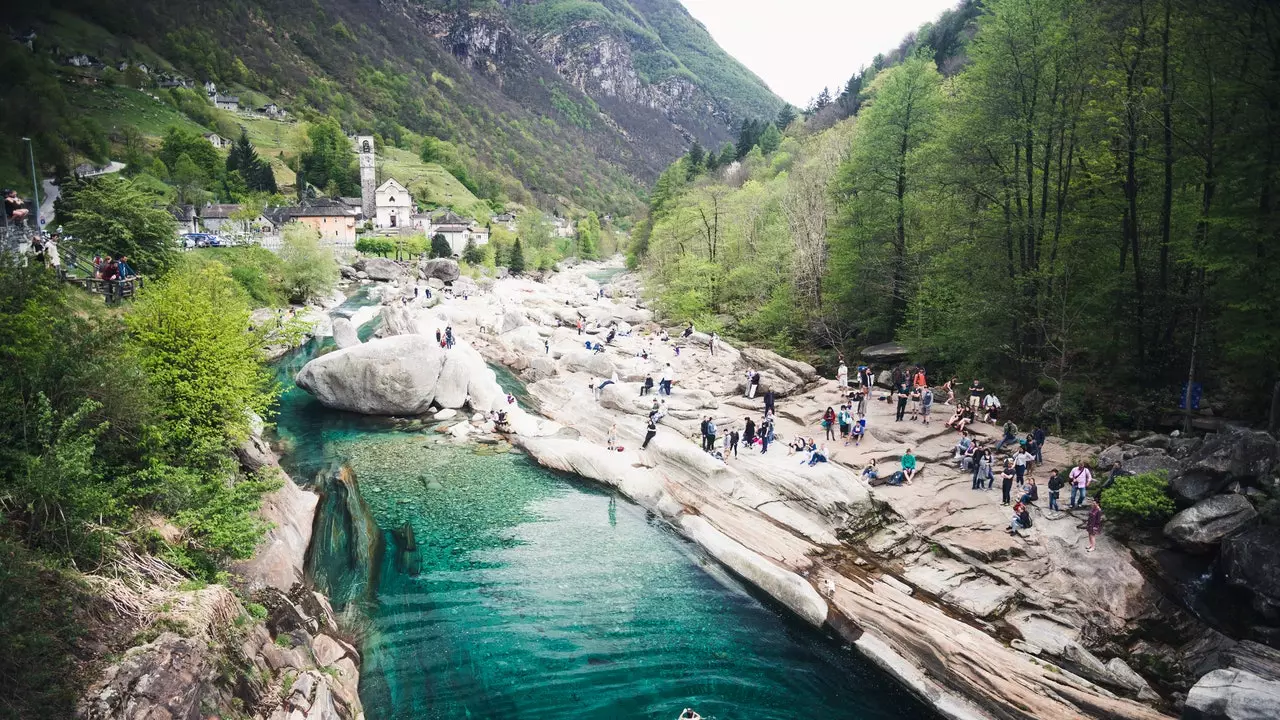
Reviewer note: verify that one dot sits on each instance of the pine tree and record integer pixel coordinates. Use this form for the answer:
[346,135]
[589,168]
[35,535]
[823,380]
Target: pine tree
[786,116]
[770,139]
[440,247]
[728,154]
[695,159]
[516,263]
[472,253]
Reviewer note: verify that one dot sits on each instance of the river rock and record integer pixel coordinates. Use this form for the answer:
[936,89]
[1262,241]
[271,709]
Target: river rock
[389,376]
[1233,695]
[397,320]
[164,679]
[597,364]
[1232,454]
[347,272]
[441,269]
[278,562]
[344,333]
[445,414]
[1202,527]
[511,319]
[1251,560]
[380,268]
[781,375]
[1150,461]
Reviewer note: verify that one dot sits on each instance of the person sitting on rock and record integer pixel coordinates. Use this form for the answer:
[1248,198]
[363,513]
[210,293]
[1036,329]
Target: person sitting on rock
[687,331]
[1021,519]
[871,473]
[962,446]
[819,455]
[859,429]
[647,387]
[1030,492]
[908,466]
[966,419]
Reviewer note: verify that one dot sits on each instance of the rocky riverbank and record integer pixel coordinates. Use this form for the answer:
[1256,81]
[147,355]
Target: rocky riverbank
[273,651]
[921,578]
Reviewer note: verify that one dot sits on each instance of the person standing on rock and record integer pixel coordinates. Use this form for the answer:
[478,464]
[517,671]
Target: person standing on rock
[749,432]
[546,347]
[768,398]
[448,336]
[766,434]
[613,436]
[950,387]
[753,382]
[664,385]
[579,326]
[702,430]
[715,339]
[731,444]
[1081,478]
[864,373]
[650,431]
[902,407]
[842,375]
[1055,489]
[829,423]
[1020,461]
[926,404]
[976,391]
[916,396]
[711,435]
[1039,436]
[845,418]
[1094,524]
[1006,482]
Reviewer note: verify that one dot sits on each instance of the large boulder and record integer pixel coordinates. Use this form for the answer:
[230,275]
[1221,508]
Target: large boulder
[511,319]
[1233,695]
[1251,560]
[1230,455]
[344,333]
[380,268]
[390,376]
[397,320]
[598,364]
[441,269]
[1202,527]
[781,375]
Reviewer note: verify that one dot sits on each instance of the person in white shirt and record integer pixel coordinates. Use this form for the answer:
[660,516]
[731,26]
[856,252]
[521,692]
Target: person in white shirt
[842,375]
[1081,478]
[991,404]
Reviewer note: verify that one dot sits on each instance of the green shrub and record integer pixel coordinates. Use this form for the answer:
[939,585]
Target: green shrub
[38,632]
[1139,499]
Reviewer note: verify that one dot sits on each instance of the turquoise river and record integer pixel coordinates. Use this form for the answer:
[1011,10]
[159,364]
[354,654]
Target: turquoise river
[487,587]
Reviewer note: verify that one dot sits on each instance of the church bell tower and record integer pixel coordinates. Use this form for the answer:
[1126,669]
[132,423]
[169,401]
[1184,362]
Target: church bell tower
[368,176]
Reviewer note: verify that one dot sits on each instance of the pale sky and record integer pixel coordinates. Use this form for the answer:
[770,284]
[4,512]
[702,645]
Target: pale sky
[800,46]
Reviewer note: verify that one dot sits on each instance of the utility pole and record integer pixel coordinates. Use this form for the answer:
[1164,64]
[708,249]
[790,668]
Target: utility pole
[35,181]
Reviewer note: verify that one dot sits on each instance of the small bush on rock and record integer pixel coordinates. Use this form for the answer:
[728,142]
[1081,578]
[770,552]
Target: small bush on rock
[1139,499]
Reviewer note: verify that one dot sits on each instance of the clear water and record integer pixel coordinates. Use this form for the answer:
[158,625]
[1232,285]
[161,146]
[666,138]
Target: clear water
[606,276]
[496,589]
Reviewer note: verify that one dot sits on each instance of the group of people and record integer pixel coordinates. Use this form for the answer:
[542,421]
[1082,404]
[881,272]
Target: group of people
[445,339]
[108,268]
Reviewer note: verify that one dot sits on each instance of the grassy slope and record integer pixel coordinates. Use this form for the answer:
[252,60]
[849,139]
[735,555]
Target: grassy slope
[368,66]
[117,107]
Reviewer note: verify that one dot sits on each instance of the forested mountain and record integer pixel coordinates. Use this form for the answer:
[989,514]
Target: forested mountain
[1076,200]
[585,101]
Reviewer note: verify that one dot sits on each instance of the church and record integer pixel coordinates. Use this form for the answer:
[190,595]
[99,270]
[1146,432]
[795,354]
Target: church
[394,205]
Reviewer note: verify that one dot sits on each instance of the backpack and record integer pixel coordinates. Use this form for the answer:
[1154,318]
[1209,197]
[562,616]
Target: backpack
[1025,519]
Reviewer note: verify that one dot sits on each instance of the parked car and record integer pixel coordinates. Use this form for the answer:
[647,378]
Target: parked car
[202,240]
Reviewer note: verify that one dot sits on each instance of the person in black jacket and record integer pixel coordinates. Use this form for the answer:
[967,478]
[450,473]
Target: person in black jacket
[651,431]
[1055,489]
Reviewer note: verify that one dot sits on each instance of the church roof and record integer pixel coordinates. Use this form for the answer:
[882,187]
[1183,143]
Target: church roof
[392,184]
